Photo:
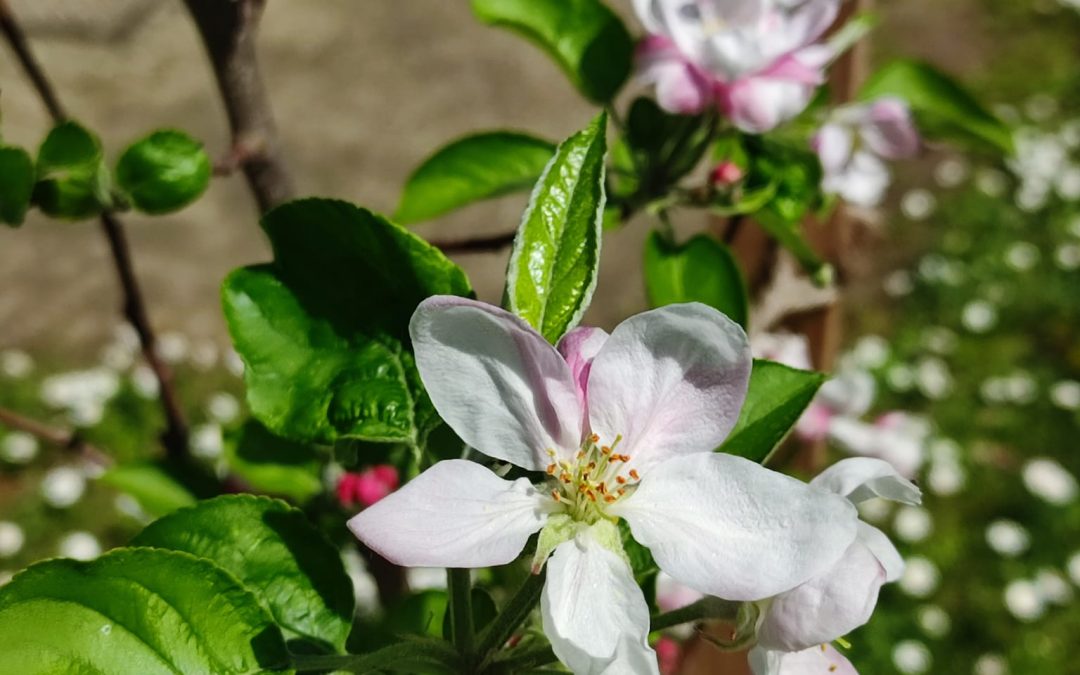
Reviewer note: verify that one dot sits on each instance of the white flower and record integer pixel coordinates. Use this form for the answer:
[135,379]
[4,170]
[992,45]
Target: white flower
[817,659]
[80,546]
[1008,538]
[1052,587]
[911,657]
[207,441]
[896,437]
[871,352]
[951,172]
[933,378]
[18,448]
[83,394]
[855,143]
[63,487]
[920,577]
[918,204]
[365,590]
[625,427]
[1022,256]
[913,524]
[145,382]
[934,621]
[1073,567]
[898,284]
[1067,256]
[173,347]
[12,538]
[790,349]
[1066,394]
[15,363]
[991,664]
[979,316]
[837,602]
[223,407]
[1023,600]
[1050,481]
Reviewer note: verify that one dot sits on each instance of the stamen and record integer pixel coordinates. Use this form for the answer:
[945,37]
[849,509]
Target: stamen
[620,480]
[594,438]
[634,473]
[551,469]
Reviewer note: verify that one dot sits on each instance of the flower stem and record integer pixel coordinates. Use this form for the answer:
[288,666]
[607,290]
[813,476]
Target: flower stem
[410,656]
[459,585]
[706,608]
[513,615]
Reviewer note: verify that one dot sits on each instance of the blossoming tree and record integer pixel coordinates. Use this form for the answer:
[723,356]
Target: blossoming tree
[546,465]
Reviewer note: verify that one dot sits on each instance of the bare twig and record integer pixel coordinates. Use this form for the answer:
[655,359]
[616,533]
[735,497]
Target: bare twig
[228,31]
[489,244]
[175,438]
[59,437]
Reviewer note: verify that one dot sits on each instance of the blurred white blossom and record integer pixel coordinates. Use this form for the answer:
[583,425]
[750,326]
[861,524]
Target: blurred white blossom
[223,407]
[991,664]
[1023,600]
[82,394]
[63,486]
[1065,394]
[918,204]
[951,172]
[911,657]
[15,363]
[979,316]
[12,538]
[145,382]
[18,447]
[173,347]
[207,441]
[79,545]
[913,524]
[920,578]
[1008,538]
[934,621]
[1050,481]
[898,284]
[1022,256]
[1052,587]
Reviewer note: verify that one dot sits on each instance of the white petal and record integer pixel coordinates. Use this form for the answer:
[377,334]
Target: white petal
[669,381]
[878,542]
[817,660]
[826,607]
[862,478]
[496,381]
[728,527]
[593,611]
[455,514]
[579,347]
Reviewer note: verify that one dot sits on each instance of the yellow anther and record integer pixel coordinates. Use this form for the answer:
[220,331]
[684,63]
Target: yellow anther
[634,473]
[555,495]
[610,498]
[594,438]
[606,450]
[551,469]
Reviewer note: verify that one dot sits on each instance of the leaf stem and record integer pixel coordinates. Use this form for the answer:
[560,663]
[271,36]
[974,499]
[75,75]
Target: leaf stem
[410,656]
[706,608]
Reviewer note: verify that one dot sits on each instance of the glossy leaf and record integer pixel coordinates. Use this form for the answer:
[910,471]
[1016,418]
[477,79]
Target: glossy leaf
[666,146]
[275,552]
[553,266]
[274,465]
[776,399]
[163,172]
[151,485]
[323,330]
[587,40]
[134,612]
[16,184]
[471,169]
[73,182]
[943,108]
[701,270]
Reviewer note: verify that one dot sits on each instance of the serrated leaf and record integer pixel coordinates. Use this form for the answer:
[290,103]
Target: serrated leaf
[72,181]
[471,169]
[587,40]
[776,398]
[553,266]
[164,171]
[323,331]
[134,611]
[16,184]
[701,270]
[275,552]
[274,465]
[942,107]
[155,490]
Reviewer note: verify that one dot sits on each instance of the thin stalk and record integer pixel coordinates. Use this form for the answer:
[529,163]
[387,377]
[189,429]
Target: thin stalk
[513,615]
[411,656]
[706,608]
[459,584]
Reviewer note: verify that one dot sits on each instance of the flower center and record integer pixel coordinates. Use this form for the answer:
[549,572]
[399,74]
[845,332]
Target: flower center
[593,480]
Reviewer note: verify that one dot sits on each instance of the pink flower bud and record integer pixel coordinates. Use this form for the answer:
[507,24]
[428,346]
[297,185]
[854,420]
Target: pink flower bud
[368,487]
[669,655]
[725,173]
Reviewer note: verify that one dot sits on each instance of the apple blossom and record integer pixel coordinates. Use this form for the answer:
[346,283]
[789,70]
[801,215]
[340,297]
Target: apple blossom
[855,143]
[847,395]
[755,60]
[818,659]
[843,598]
[617,426]
[897,437]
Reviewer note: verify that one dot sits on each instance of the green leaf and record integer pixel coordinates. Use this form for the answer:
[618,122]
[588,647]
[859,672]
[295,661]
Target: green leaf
[586,39]
[943,108]
[274,551]
[155,490]
[666,146]
[134,611]
[163,172]
[73,182]
[776,399]
[701,270]
[274,465]
[553,266]
[471,169]
[16,184]
[323,331]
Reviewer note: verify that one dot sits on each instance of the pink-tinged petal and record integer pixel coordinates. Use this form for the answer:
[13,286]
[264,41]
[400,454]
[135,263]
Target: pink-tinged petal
[826,607]
[834,145]
[455,514]
[862,478]
[593,611]
[814,424]
[671,595]
[496,381]
[669,381]
[760,104]
[728,527]
[681,87]
[882,548]
[889,131]
[579,347]
[810,20]
[790,349]
[863,182]
[817,660]
[849,392]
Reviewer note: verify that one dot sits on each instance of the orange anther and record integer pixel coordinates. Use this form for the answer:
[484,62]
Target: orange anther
[620,480]
[551,469]
[606,450]
[595,438]
[610,499]
[634,474]
[555,495]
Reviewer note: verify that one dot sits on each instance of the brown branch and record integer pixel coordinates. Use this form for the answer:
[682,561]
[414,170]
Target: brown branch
[175,438]
[228,30]
[489,244]
[54,436]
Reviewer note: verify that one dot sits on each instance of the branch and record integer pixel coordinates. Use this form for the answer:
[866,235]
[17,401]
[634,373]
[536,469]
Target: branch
[175,438]
[228,31]
[489,244]
[53,436]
